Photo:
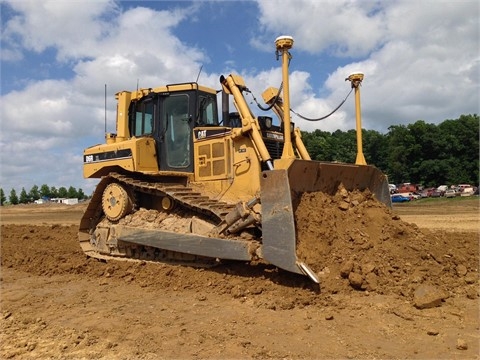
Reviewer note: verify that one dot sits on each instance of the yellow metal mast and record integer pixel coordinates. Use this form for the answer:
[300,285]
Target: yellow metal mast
[283,44]
[356,80]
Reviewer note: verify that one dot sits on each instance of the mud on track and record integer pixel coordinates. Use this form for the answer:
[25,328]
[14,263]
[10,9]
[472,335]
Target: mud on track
[55,303]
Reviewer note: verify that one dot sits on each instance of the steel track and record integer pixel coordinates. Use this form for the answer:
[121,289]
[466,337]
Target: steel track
[183,196]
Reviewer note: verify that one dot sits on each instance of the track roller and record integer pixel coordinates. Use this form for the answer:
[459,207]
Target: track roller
[167,203]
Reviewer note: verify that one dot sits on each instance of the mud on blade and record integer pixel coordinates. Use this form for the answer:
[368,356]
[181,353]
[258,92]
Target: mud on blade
[281,191]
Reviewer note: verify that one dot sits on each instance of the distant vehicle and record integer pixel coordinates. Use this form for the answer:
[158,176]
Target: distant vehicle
[450,193]
[425,193]
[392,188]
[436,193]
[442,188]
[399,198]
[414,196]
[467,191]
[407,188]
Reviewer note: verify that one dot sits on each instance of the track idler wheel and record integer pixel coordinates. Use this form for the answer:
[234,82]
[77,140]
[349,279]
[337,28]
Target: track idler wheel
[116,202]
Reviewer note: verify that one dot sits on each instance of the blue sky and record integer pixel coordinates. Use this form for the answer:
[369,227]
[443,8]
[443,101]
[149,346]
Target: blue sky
[420,59]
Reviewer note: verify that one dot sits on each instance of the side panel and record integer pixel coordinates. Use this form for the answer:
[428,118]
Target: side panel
[213,157]
[145,156]
[136,154]
[247,167]
[227,166]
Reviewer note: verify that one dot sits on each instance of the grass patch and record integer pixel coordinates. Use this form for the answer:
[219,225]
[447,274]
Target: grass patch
[458,200]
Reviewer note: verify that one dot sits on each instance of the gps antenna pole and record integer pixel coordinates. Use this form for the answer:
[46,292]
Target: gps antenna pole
[356,80]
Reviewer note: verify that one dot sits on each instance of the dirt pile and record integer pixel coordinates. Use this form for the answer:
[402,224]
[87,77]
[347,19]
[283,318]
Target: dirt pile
[54,250]
[177,221]
[352,241]
[355,242]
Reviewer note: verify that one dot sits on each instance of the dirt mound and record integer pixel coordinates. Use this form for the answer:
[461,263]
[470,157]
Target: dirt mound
[355,242]
[362,246]
[177,221]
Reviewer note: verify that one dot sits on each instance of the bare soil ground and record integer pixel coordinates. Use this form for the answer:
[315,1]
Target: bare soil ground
[374,266]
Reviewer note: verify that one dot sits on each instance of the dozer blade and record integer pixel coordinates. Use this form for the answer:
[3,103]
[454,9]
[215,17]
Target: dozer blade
[281,191]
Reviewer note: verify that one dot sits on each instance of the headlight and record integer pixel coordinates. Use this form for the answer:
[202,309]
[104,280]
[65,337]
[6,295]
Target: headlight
[292,127]
[265,122]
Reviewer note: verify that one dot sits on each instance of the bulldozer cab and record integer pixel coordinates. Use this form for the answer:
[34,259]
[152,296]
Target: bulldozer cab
[170,118]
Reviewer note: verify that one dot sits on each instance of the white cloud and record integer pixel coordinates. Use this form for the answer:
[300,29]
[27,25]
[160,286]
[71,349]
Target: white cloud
[72,27]
[420,61]
[343,28]
[50,108]
[37,160]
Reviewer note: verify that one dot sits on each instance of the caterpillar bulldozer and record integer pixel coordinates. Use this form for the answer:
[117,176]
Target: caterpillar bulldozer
[209,190]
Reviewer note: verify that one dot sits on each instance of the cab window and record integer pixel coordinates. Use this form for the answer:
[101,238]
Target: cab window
[207,111]
[141,118]
[177,131]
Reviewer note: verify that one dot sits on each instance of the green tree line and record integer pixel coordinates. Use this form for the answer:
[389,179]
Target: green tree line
[419,153]
[42,192]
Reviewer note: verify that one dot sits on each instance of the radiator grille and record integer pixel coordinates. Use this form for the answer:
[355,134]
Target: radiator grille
[275,148]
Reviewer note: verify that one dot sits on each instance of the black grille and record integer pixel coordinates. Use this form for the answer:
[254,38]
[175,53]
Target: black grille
[273,139]
[275,148]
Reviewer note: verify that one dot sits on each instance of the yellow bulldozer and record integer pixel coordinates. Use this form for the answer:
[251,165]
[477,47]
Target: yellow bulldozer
[208,190]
